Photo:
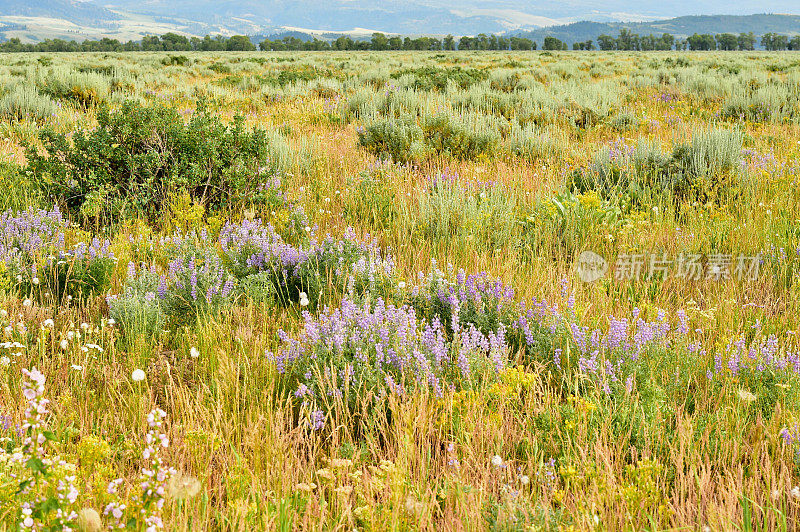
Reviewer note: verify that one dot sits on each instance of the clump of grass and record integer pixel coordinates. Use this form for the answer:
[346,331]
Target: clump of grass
[25,101]
[709,166]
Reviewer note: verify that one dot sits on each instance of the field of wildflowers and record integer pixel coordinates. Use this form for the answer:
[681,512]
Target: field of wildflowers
[352,291]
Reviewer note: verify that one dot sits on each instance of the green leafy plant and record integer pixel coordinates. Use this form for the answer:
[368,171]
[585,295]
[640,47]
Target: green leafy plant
[139,156]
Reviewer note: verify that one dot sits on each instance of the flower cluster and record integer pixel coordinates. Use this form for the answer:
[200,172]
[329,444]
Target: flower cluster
[35,252]
[353,266]
[358,354]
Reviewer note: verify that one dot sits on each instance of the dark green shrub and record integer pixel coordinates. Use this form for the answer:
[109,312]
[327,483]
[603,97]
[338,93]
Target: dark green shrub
[220,68]
[139,156]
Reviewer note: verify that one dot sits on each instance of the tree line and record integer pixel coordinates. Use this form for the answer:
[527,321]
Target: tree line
[698,42]
[626,40]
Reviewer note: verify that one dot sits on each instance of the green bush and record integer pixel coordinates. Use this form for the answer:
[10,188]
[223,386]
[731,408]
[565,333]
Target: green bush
[433,78]
[397,139]
[137,157]
[478,215]
[179,60]
[530,143]
[458,137]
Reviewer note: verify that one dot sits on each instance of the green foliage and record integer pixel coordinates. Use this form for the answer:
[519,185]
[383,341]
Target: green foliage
[398,139]
[139,156]
[371,198]
[259,288]
[18,194]
[83,88]
[567,224]
[433,78]
[530,144]
[459,137]
[179,60]
[452,212]
[72,279]
[403,140]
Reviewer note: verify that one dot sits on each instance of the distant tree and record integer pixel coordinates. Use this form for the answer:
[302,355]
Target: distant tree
[606,42]
[521,43]
[627,40]
[212,45]
[152,43]
[239,43]
[343,43]
[174,42]
[12,45]
[774,42]
[316,45]
[794,44]
[379,41]
[449,43]
[553,43]
[395,43]
[703,41]
[666,42]
[727,41]
[292,43]
[465,43]
[647,42]
[746,41]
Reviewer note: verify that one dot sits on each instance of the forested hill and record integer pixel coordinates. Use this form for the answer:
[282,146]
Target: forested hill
[680,27]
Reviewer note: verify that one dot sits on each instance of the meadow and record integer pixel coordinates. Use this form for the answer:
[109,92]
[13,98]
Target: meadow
[338,291]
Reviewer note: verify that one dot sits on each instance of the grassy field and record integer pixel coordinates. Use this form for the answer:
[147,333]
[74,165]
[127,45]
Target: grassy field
[336,291]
